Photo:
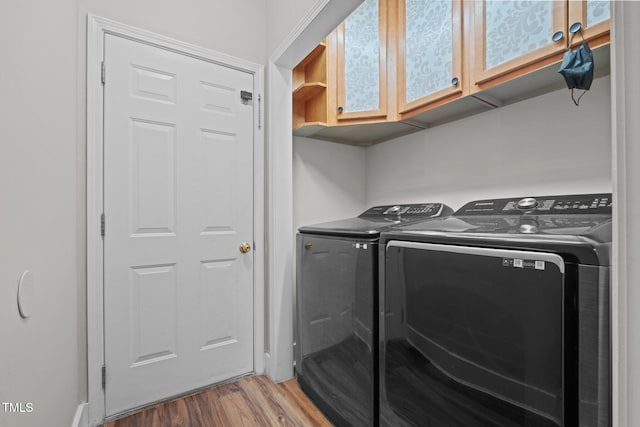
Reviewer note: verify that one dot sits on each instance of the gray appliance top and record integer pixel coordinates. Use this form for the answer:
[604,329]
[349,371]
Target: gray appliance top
[377,219]
[577,226]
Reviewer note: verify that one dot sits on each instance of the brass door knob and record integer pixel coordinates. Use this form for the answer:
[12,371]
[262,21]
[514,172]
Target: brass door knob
[245,247]
[308,245]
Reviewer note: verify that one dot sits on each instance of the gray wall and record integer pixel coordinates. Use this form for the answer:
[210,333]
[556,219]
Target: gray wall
[43,167]
[544,145]
[329,181]
[40,358]
[283,16]
[235,27]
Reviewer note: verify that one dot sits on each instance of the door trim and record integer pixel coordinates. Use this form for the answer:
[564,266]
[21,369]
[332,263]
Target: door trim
[97,28]
[324,16]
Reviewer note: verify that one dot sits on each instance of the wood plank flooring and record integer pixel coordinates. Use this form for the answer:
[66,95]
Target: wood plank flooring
[250,401]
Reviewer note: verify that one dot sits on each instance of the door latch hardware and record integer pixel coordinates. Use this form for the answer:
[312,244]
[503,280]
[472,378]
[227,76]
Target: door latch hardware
[246,96]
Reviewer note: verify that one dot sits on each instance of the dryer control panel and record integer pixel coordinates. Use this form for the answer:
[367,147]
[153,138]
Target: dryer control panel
[418,210]
[592,204]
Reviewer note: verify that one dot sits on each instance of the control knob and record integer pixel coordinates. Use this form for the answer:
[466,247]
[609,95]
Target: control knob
[527,203]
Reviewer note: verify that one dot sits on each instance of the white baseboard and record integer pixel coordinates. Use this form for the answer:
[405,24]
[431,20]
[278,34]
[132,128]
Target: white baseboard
[81,418]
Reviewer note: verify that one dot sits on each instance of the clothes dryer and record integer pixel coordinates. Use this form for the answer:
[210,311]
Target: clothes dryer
[336,294]
[499,315]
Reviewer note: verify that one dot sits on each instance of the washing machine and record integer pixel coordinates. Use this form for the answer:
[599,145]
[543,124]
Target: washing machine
[336,294]
[498,315]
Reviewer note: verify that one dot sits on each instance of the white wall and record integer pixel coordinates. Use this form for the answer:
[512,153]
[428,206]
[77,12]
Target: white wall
[234,27]
[541,146]
[283,16]
[43,182]
[39,357]
[329,181]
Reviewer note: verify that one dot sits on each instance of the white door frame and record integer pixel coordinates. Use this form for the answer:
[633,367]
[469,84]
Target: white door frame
[97,28]
[625,297]
[321,19]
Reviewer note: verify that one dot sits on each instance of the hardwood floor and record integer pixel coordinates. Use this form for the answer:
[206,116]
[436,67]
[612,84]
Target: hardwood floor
[250,401]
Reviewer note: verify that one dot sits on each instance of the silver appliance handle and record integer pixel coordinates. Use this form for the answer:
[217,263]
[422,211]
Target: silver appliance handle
[469,250]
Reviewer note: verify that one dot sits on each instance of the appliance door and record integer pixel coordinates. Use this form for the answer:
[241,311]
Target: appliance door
[336,358]
[472,337]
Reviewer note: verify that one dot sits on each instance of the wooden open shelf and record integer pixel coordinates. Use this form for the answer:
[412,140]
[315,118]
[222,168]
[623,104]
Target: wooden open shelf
[310,89]
[306,91]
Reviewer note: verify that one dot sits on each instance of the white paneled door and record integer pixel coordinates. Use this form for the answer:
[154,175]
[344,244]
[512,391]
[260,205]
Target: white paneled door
[178,198]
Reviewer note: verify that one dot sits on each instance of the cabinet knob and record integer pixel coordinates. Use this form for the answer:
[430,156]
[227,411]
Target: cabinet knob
[455,81]
[340,109]
[557,36]
[575,27]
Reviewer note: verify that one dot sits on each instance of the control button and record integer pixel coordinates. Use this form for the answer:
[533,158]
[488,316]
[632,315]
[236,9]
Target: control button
[528,228]
[527,203]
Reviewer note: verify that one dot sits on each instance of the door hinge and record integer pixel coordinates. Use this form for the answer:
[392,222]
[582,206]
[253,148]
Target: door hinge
[102,72]
[104,377]
[102,225]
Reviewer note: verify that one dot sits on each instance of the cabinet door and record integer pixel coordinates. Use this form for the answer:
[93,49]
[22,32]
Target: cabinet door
[361,62]
[429,51]
[511,34]
[594,17]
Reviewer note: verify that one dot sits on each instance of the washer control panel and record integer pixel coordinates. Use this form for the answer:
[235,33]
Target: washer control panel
[426,210]
[550,205]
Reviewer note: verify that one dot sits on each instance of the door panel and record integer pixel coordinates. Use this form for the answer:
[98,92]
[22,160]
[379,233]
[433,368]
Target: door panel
[598,11]
[475,337]
[361,63]
[336,329]
[429,51]
[362,58]
[154,330]
[218,319]
[153,157]
[595,18]
[178,186]
[509,35]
